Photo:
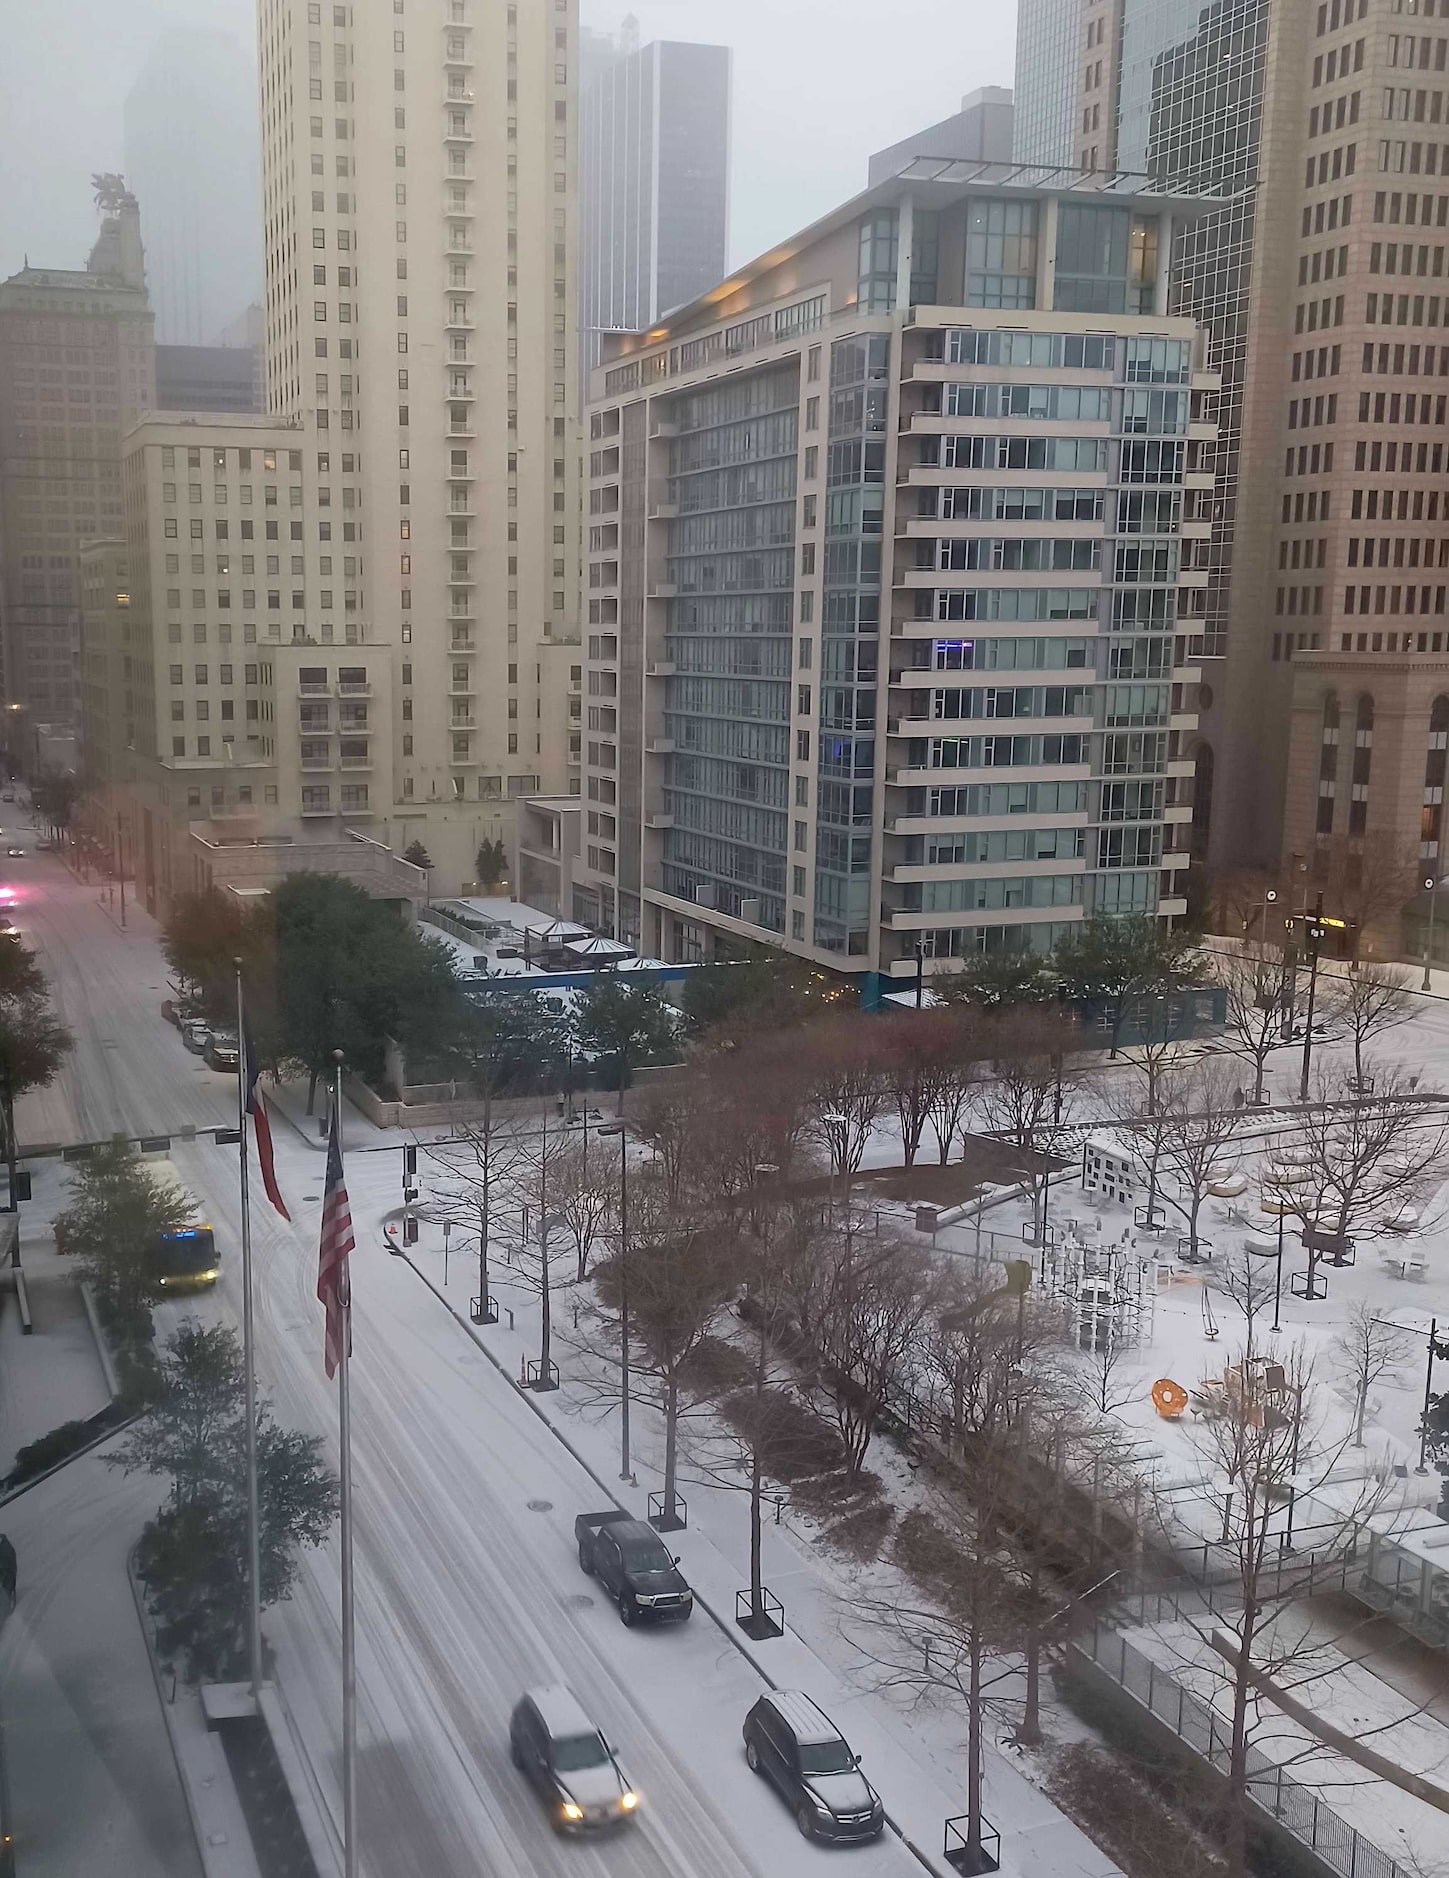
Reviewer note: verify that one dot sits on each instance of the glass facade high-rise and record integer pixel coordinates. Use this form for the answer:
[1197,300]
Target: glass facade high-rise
[1045,91]
[893,632]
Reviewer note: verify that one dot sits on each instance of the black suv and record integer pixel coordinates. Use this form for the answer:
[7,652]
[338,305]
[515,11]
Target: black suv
[633,1564]
[792,1743]
[569,1762]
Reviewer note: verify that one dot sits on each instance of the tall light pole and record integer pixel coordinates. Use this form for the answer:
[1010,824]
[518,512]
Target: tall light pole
[1432,884]
[626,1471]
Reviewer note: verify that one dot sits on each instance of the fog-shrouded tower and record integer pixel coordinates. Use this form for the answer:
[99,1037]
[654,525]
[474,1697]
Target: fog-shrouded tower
[194,163]
[419,168]
[654,209]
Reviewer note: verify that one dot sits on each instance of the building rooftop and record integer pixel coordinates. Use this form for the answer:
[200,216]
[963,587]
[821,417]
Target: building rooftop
[934,183]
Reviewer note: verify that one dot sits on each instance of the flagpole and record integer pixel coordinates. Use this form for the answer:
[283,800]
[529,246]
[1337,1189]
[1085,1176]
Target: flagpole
[249,1368]
[349,1663]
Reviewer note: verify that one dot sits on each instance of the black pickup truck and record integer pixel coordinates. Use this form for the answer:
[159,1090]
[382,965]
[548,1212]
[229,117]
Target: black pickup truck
[632,1563]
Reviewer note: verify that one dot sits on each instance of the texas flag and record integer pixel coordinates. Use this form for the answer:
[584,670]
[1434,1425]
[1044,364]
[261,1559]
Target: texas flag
[256,1107]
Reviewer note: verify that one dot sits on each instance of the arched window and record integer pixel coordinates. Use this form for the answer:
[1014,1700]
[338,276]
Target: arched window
[1431,819]
[1328,766]
[1363,752]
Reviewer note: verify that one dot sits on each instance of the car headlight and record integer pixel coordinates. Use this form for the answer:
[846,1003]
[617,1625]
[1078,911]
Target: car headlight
[628,1801]
[572,1811]
[639,1598]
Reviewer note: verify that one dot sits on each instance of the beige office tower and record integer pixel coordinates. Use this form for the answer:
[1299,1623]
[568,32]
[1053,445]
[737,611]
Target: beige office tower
[1324,284]
[419,218]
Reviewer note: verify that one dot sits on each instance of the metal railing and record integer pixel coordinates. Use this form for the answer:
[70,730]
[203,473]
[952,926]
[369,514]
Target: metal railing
[1295,1808]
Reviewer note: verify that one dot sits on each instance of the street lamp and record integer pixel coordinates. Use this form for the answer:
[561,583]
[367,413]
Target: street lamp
[1431,886]
[626,1471]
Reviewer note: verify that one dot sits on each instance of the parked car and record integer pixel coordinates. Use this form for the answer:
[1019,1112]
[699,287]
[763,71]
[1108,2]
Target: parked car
[634,1566]
[7,796]
[15,854]
[222,1051]
[573,1768]
[45,847]
[195,1035]
[796,1746]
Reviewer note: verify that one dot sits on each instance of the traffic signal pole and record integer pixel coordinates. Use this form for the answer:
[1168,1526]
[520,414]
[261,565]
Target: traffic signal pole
[1313,938]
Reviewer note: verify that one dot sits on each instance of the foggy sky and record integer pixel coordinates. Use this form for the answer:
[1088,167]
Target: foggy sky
[819,84]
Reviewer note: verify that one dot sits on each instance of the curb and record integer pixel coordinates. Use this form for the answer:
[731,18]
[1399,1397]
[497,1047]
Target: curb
[108,1367]
[725,1628]
[211,1865]
[313,1815]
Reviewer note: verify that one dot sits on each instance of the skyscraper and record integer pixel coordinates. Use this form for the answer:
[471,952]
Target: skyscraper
[1048,37]
[193,160]
[419,221]
[655,184]
[77,366]
[1324,129]
[943,460]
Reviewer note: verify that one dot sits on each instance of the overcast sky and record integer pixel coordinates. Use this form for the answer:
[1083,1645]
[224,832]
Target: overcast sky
[819,84]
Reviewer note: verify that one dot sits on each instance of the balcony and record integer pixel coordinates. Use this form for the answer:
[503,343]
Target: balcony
[658,589]
[354,688]
[355,762]
[659,746]
[312,689]
[317,762]
[464,687]
[317,808]
[660,668]
[658,818]
[463,723]
[458,133]
[463,642]
[458,320]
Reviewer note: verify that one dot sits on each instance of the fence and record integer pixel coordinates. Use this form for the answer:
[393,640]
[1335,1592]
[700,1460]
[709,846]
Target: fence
[1296,1809]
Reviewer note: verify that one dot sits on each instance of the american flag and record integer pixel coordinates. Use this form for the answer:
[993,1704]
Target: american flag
[333,1287]
[256,1107]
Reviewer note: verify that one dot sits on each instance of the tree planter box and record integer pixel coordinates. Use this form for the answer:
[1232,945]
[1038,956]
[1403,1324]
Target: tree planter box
[483,1310]
[664,1522]
[987,1857]
[540,1376]
[767,1621]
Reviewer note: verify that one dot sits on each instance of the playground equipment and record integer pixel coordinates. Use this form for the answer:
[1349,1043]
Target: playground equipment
[1169,1398]
[1108,1291]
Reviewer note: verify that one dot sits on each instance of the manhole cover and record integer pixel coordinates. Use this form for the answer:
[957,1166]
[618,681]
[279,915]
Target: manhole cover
[540,1506]
[579,1601]
[310,1199]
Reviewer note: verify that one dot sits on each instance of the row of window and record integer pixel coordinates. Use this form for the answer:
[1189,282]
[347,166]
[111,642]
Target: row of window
[1400,407]
[1334,115]
[1406,257]
[1398,551]
[1411,208]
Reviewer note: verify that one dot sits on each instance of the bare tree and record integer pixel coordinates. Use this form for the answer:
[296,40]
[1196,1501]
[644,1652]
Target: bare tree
[586,1194]
[1240,905]
[1197,1149]
[476,1169]
[1368,1003]
[974,1602]
[925,1060]
[1250,1281]
[875,1293]
[1362,1351]
[1253,1016]
[1361,1163]
[535,1189]
[1367,883]
[1027,1102]
[848,1090]
[682,1270]
[1260,1434]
